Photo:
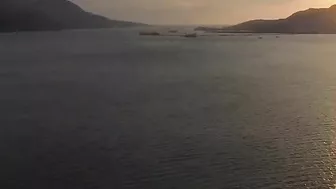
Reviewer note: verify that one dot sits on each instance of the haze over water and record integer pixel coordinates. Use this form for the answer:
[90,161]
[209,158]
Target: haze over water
[110,109]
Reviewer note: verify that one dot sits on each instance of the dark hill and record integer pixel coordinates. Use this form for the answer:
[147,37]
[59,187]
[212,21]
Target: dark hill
[50,15]
[309,21]
[321,20]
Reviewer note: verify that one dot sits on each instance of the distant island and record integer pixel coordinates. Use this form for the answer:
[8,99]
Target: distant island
[33,15]
[311,21]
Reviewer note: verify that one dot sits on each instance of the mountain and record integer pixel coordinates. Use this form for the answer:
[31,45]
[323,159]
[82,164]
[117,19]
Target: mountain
[309,21]
[50,15]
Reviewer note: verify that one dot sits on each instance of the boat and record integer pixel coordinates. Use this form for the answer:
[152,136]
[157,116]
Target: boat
[172,31]
[190,35]
[149,33]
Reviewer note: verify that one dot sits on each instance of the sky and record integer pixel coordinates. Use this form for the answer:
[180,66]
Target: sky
[194,12]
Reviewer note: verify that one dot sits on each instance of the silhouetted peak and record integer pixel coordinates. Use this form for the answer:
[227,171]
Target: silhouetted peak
[313,20]
[50,15]
[333,7]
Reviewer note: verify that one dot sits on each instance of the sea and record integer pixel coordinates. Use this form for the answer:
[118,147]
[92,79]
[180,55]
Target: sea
[109,109]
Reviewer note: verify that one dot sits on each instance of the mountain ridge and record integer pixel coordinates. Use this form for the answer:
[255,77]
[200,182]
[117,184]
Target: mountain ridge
[30,15]
[309,21]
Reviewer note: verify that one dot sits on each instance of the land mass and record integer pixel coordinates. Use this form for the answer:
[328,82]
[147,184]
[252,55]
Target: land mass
[311,21]
[32,15]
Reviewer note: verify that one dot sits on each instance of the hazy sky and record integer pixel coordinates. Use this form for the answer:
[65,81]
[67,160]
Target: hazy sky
[197,11]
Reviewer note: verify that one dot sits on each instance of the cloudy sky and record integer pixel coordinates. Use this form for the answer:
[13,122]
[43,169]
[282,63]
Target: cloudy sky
[197,11]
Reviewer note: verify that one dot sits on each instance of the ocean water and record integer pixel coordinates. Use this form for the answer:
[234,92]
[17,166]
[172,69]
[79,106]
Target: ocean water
[110,109]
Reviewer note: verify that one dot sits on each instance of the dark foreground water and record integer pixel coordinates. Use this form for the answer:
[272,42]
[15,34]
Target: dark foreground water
[109,109]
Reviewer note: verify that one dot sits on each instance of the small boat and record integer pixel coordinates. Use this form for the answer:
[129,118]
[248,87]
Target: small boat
[277,36]
[260,37]
[172,31]
[149,33]
[191,35]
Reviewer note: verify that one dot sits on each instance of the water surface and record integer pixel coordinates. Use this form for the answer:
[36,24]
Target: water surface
[110,109]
